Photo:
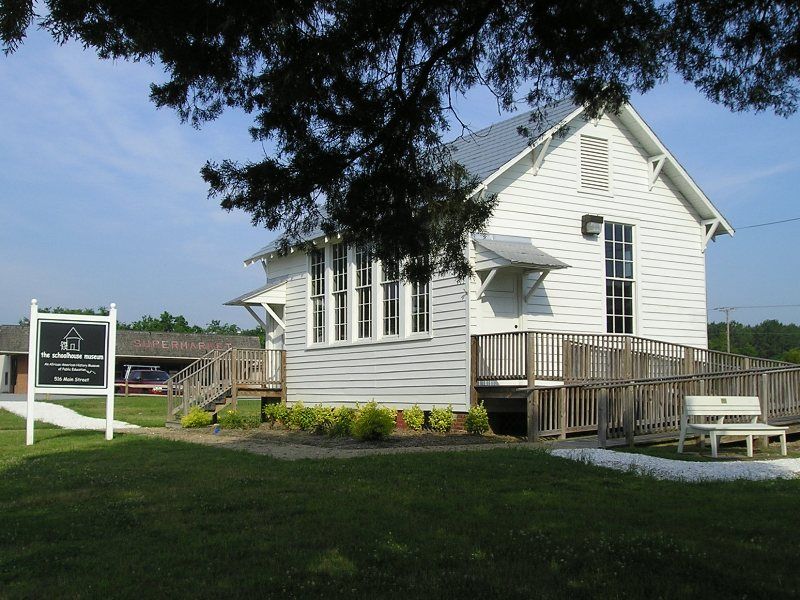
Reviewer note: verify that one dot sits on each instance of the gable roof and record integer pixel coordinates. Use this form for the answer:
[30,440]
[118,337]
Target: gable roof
[488,153]
[491,151]
[485,152]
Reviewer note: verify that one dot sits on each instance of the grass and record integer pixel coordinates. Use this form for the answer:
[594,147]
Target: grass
[11,422]
[147,411]
[141,517]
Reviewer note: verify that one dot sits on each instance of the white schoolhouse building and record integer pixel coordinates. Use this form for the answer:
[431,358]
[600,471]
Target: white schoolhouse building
[598,230]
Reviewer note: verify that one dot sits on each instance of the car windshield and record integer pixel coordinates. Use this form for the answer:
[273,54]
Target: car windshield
[154,376]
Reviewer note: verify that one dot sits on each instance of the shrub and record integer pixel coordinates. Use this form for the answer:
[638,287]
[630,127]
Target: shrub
[323,419]
[343,418]
[276,413]
[301,417]
[442,419]
[414,418]
[231,419]
[197,417]
[477,421]
[373,422]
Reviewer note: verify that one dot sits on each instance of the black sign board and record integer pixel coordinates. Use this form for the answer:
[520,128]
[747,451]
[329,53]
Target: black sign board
[72,354]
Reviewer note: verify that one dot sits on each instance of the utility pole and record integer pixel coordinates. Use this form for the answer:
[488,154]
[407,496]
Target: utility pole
[727,310]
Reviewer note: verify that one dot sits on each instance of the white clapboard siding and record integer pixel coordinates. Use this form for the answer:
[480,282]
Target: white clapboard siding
[547,207]
[429,372]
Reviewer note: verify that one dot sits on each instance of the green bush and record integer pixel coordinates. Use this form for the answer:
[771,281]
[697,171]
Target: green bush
[442,419]
[301,417]
[343,418]
[373,422]
[197,417]
[477,421]
[231,419]
[276,413]
[414,418]
[323,419]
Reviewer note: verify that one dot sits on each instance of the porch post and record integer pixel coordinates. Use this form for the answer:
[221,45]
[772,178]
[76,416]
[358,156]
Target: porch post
[473,371]
[763,396]
[533,394]
[602,418]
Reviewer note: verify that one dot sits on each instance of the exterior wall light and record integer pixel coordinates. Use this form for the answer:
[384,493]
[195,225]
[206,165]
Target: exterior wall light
[591,224]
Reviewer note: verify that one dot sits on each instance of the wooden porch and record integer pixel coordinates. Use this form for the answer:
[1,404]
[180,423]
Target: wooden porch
[219,378]
[617,387]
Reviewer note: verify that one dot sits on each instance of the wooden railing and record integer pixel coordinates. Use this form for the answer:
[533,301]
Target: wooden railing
[220,373]
[576,357]
[626,409]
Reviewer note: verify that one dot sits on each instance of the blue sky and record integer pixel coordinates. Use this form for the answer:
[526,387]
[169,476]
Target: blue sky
[101,198]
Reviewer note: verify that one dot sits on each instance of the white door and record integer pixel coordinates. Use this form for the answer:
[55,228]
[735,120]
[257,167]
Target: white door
[499,306]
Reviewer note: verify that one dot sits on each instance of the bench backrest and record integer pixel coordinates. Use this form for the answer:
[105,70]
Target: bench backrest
[722,405]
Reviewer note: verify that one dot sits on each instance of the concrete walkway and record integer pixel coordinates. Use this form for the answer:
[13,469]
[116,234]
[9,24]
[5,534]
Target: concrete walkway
[56,414]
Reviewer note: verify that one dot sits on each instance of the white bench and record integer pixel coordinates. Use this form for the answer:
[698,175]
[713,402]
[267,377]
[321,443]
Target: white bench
[727,406]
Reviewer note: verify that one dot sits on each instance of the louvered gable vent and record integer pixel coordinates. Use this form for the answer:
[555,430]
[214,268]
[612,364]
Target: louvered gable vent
[594,163]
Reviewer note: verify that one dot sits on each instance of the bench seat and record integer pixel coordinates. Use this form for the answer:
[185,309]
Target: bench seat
[720,407]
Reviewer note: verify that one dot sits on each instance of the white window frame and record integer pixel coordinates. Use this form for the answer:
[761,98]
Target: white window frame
[633,280]
[340,294]
[357,321]
[311,328]
[404,303]
[397,300]
[426,313]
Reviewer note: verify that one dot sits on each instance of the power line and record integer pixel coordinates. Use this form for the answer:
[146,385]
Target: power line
[731,308]
[770,223]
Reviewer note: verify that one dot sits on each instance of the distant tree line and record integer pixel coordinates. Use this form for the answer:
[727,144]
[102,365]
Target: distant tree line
[769,339]
[164,322]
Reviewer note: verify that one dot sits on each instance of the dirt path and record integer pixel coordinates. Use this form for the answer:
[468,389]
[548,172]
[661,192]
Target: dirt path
[297,445]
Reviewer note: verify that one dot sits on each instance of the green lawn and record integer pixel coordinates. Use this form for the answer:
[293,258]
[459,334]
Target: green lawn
[139,517]
[11,422]
[147,411]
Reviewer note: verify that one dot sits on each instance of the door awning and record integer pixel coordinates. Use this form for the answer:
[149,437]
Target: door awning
[271,296]
[274,292]
[513,253]
[518,252]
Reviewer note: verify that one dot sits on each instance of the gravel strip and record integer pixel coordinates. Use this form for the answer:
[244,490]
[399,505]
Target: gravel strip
[292,445]
[679,470]
[60,416]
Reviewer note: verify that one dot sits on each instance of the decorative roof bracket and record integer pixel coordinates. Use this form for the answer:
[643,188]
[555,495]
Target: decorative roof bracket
[709,230]
[655,163]
[535,285]
[486,282]
[272,314]
[538,157]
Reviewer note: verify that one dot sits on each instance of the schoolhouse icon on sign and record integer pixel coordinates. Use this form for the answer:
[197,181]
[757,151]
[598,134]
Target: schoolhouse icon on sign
[72,341]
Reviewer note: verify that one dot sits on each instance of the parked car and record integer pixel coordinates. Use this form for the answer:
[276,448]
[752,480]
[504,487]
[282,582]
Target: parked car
[144,381]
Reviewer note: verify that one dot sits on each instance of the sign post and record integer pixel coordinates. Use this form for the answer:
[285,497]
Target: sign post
[71,354]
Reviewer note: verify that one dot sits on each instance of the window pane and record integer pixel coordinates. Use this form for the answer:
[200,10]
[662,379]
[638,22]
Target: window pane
[420,307]
[619,271]
[339,268]
[364,292]
[318,295]
[391,304]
